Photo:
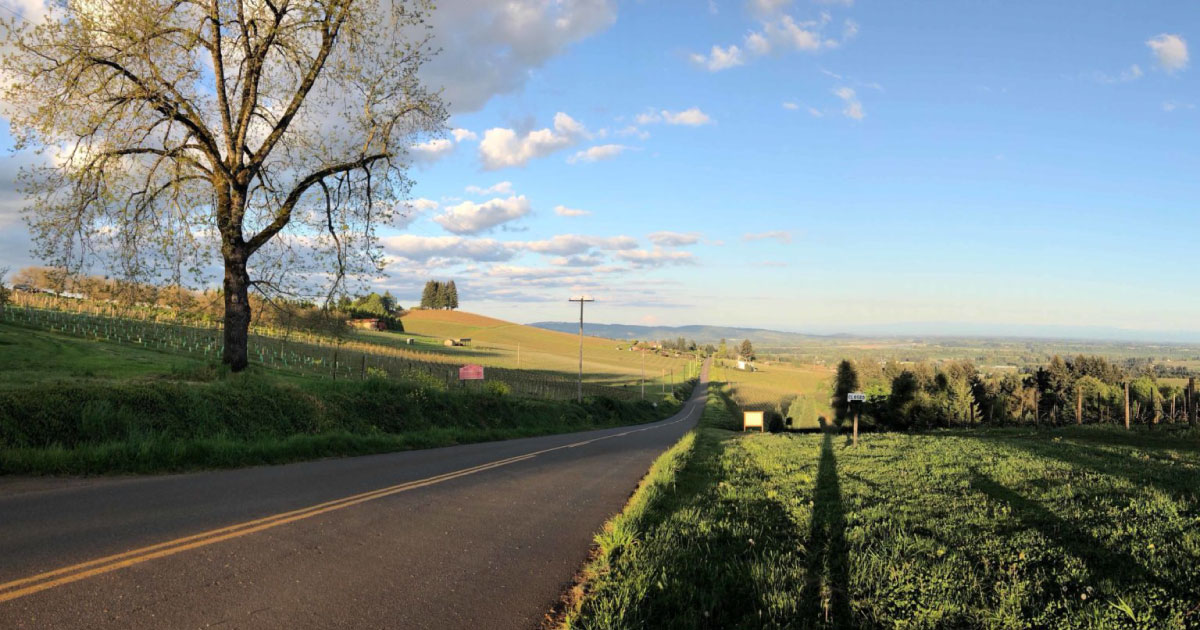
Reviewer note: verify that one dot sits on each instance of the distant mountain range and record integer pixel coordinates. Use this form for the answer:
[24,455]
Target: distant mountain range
[699,334]
[762,337]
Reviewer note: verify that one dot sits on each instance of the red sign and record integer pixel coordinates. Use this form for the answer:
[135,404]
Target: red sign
[470,373]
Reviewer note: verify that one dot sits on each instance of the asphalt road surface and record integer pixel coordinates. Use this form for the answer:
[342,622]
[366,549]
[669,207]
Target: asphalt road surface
[477,536]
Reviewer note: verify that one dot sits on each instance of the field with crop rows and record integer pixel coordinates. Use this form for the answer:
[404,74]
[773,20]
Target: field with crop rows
[1073,528]
[763,388]
[548,371]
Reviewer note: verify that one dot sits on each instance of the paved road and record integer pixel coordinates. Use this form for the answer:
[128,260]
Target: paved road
[475,536]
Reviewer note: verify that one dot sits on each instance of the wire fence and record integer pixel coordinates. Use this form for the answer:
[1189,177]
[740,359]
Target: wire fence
[300,351]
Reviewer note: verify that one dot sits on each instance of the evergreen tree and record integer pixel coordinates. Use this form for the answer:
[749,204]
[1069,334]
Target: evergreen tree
[440,295]
[451,296]
[747,350]
[845,382]
[429,295]
[389,302]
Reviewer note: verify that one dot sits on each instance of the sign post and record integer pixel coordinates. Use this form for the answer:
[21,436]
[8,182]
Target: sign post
[856,397]
[752,419]
[470,372]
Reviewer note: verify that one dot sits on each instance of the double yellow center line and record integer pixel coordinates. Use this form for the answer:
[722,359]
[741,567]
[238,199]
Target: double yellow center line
[76,572]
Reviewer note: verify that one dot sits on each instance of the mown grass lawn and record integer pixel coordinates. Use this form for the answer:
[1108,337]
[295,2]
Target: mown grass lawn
[1079,528]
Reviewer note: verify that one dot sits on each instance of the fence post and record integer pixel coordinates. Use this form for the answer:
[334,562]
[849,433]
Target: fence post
[1078,405]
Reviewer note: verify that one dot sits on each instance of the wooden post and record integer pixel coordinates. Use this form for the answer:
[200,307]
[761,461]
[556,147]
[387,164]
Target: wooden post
[1172,418]
[857,413]
[1078,405]
[1037,407]
[1191,400]
[1126,405]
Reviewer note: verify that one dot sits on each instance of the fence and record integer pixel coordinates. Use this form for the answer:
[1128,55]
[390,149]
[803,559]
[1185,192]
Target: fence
[300,352]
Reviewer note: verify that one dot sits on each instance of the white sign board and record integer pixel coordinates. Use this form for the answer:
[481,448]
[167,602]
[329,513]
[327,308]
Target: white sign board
[752,420]
[856,397]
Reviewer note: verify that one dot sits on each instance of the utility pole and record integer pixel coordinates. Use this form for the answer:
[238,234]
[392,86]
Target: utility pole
[581,299]
[518,356]
[643,374]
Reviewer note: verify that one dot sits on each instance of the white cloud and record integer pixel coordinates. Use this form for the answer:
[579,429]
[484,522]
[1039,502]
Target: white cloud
[778,33]
[427,248]
[571,244]
[691,117]
[577,261]
[1170,51]
[564,211]
[790,105]
[674,239]
[766,7]
[432,150]
[1171,106]
[720,58]
[490,47]
[642,259]
[1132,74]
[787,34]
[782,236]
[853,108]
[499,188]
[463,134]
[501,148]
[598,153]
[413,209]
[814,112]
[469,217]
[632,130]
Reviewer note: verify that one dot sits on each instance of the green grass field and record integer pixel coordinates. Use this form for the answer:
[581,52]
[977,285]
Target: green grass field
[72,405]
[771,382]
[1072,528]
[504,344]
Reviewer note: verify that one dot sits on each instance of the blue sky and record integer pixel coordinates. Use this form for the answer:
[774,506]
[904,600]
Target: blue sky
[861,165]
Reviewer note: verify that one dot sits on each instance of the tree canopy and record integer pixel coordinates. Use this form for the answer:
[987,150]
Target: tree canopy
[271,135]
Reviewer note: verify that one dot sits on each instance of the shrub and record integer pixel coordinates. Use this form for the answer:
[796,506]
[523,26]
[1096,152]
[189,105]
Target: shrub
[497,388]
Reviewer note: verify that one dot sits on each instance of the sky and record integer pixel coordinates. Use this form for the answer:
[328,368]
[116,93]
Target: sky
[806,165]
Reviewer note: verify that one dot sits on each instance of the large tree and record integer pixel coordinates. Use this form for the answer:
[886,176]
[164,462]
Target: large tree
[272,133]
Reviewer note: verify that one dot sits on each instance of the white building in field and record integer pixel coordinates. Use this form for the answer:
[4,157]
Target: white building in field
[745,366]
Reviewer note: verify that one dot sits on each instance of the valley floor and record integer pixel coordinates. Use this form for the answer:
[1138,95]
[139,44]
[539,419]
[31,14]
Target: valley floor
[1070,528]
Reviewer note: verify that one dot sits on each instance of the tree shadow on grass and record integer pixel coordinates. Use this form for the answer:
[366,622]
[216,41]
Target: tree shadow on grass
[1178,481]
[707,556]
[1103,563]
[826,596]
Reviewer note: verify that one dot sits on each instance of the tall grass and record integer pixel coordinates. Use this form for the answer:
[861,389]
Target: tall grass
[83,427]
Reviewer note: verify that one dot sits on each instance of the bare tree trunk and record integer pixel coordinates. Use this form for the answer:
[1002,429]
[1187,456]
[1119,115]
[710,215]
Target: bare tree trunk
[1078,406]
[237,310]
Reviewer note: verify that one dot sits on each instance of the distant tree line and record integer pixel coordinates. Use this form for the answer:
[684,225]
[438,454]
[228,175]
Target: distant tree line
[439,295]
[1086,389]
[744,351]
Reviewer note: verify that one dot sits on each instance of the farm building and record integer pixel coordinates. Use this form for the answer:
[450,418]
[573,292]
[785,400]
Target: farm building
[458,341]
[368,323]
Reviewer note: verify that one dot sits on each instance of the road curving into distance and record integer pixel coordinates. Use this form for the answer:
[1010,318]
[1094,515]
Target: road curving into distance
[474,536]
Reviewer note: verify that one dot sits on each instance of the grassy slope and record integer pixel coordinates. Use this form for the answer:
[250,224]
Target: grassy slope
[1077,528]
[495,342]
[70,405]
[764,388]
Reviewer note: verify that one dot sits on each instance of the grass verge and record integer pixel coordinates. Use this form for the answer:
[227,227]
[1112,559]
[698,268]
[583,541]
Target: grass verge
[148,426]
[1071,528]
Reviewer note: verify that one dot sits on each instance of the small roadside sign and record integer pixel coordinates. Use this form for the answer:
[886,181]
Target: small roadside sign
[470,373]
[752,420]
[856,397]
